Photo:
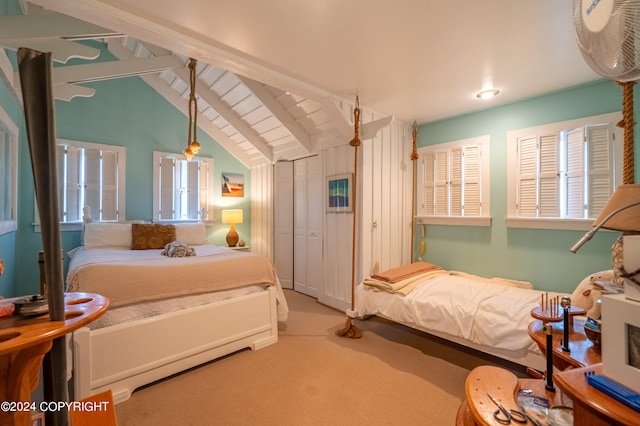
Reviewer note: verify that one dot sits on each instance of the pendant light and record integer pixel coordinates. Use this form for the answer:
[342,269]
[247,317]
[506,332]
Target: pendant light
[192,144]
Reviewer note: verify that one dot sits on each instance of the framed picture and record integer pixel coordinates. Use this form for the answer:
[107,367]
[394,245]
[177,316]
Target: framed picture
[340,193]
[232,184]
[621,340]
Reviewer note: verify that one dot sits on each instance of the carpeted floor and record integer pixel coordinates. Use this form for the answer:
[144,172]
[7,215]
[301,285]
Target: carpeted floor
[391,376]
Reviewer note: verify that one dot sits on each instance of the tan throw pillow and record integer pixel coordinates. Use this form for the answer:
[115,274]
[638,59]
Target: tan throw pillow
[151,236]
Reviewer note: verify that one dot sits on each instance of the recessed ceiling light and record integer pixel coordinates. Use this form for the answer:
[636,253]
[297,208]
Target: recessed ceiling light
[487,94]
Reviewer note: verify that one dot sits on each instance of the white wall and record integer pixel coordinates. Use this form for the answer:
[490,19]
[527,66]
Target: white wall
[383,209]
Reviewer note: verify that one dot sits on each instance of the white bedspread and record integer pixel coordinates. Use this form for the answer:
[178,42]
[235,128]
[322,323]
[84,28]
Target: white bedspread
[478,310]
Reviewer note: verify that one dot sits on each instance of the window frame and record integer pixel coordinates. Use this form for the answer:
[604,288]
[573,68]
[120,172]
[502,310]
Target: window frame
[560,223]
[11,175]
[207,217]
[484,219]
[120,184]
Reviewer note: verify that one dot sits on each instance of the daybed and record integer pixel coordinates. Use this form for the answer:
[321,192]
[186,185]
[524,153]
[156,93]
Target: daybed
[166,313]
[489,315]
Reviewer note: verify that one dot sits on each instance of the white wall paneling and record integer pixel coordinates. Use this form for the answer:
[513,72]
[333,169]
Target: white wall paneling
[283,222]
[262,210]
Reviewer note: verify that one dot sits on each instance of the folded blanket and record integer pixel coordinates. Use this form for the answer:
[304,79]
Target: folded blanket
[178,249]
[403,287]
[406,271]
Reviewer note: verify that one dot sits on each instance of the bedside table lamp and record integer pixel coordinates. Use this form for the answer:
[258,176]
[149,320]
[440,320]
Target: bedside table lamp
[232,217]
[621,213]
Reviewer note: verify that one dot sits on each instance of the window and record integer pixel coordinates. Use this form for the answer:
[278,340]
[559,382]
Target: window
[561,175]
[182,189]
[455,183]
[8,173]
[91,175]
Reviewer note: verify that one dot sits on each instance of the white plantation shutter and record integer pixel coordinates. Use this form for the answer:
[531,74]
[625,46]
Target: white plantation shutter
[599,166]
[527,177]
[166,187]
[193,194]
[92,175]
[472,174]
[456,182]
[575,173]
[109,185]
[441,176]
[452,179]
[549,176]
[74,185]
[204,188]
[428,163]
[183,188]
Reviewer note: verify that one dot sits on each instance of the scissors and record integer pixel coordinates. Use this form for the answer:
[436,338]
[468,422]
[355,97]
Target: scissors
[509,415]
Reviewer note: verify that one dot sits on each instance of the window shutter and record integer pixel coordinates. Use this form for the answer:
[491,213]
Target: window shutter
[109,185]
[575,173]
[428,162]
[5,190]
[441,177]
[456,182]
[92,182]
[549,176]
[193,195]
[204,189]
[600,167]
[472,201]
[74,185]
[166,187]
[527,182]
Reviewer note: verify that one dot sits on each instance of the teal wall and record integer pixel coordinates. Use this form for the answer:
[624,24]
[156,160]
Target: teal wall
[125,112]
[537,255]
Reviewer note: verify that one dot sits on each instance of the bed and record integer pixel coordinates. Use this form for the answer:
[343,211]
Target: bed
[171,308]
[486,314]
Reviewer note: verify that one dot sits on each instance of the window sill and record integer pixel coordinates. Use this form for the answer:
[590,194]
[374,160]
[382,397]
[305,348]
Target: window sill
[75,226]
[7,226]
[456,221]
[550,223]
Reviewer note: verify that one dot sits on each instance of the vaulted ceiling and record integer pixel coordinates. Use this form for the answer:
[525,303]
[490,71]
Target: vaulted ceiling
[277,79]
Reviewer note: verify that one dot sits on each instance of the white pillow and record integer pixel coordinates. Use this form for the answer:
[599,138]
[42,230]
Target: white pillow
[191,234]
[97,234]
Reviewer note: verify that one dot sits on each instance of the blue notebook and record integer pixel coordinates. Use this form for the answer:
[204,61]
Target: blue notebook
[615,390]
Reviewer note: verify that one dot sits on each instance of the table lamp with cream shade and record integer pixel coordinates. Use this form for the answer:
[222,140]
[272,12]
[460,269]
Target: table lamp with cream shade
[232,217]
[622,213]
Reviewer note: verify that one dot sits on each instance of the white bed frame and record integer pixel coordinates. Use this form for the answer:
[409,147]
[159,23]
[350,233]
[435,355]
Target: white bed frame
[126,356]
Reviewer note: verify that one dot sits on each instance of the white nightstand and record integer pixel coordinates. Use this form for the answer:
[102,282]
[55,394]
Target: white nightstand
[245,248]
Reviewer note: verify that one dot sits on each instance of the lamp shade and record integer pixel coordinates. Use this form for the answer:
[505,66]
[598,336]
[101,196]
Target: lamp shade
[627,220]
[232,216]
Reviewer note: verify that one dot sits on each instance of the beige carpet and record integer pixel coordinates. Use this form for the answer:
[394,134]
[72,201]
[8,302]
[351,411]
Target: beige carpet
[390,376]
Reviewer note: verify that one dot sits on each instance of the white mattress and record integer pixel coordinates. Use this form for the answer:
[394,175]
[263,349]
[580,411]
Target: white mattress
[478,311]
[130,313]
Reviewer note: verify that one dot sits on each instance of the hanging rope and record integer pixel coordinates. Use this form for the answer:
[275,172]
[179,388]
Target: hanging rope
[350,330]
[192,144]
[414,157]
[627,123]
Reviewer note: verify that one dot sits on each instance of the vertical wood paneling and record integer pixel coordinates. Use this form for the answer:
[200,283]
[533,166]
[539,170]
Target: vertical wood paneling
[383,198]
[262,210]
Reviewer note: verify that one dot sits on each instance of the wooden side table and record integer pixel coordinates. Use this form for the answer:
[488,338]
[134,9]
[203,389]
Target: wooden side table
[583,352]
[25,341]
[478,409]
[590,406]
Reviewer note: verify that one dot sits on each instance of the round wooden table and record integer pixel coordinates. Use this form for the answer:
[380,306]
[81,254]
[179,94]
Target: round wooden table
[25,341]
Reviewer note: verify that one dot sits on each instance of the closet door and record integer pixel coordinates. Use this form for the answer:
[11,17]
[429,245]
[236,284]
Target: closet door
[307,229]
